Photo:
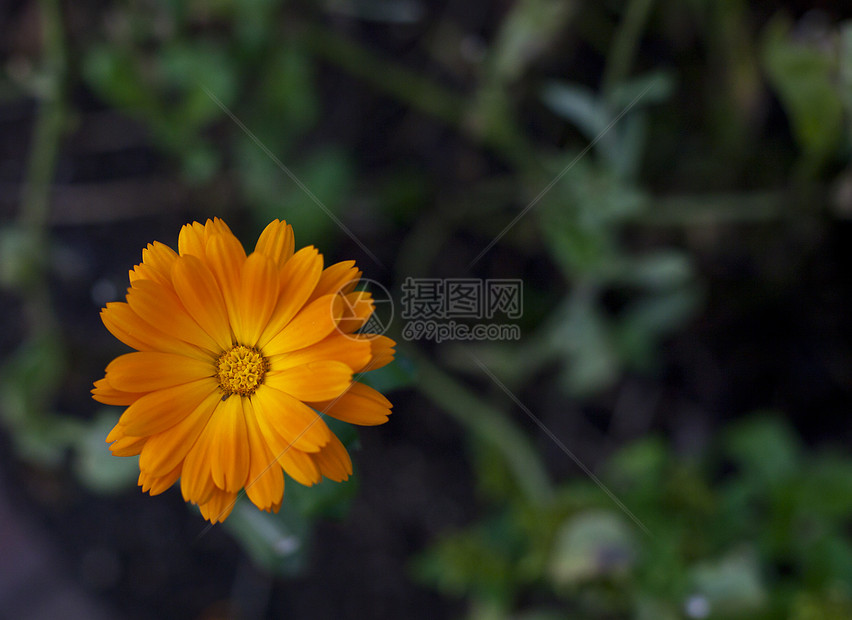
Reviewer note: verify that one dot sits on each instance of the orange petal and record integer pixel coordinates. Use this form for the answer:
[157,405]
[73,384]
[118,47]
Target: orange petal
[300,467]
[357,308]
[108,395]
[219,506]
[157,411]
[217,226]
[155,485]
[354,352]
[156,265]
[298,278]
[167,449]
[229,448]
[159,306]
[225,257]
[333,461]
[196,482]
[277,242]
[381,351]
[123,323]
[287,422]
[338,278]
[141,272]
[257,298]
[192,240]
[116,433]
[360,404]
[199,292]
[265,482]
[316,321]
[126,325]
[159,257]
[312,381]
[193,237]
[151,370]
[127,446]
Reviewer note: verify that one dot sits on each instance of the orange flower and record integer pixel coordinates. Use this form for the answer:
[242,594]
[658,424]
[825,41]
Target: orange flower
[235,355]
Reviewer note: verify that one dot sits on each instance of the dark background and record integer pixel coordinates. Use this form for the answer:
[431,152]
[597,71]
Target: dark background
[425,128]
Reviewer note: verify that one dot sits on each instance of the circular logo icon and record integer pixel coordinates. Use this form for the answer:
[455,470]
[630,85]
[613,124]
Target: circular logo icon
[356,307]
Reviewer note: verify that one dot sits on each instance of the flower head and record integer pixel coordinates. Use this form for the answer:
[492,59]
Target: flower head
[235,356]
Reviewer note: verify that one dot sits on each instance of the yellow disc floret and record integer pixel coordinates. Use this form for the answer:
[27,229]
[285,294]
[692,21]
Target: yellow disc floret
[240,370]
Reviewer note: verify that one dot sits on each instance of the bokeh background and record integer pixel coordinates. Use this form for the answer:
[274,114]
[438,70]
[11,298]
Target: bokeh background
[683,170]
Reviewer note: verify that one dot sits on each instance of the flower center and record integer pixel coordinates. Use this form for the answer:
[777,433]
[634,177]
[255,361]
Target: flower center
[240,370]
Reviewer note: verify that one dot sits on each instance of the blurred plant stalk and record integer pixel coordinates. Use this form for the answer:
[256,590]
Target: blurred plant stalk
[30,377]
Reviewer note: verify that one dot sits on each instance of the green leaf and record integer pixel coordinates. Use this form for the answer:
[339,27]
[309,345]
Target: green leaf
[643,90]
[730,586]
[398,374]
[278,543]
[21,257]
[577,104]
[312,204]
[493,477]
[479,562]
[287,105]
[526,31]
[620,140]
[804,78]
[388,11]
[583,338]
[115,74]
[187,69]
[640,467]
[45,440]
[580,217]
[765,448]
[827,488]
[327,499]
[93,463]
[644,321]
[828,604]
[592,545]
[28,380]
[663,269]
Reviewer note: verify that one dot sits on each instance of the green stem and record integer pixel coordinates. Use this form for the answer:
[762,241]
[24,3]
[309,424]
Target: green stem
[388,77]
[698,210]
[624,44]
[49,124]
[47,134]
[422,94]
[429,98]
[487,423]
[41,353]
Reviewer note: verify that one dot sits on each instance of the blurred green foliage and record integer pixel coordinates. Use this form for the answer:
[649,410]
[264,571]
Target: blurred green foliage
[753,527]
[813,82]
[581,174]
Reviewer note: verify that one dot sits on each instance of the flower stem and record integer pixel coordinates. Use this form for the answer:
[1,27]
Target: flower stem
[420,93]
[35,194]
[495,130]
[488,423]
[30,377]
[623,49]
[49,124]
